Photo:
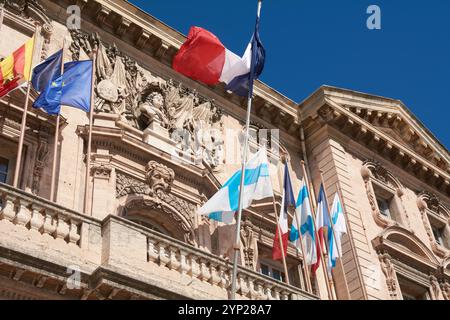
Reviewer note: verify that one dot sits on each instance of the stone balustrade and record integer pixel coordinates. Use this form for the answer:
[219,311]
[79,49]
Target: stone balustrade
[33,213]
[118,248]
[169,253]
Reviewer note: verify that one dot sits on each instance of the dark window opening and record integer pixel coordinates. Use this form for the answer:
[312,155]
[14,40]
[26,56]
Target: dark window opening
[4,163]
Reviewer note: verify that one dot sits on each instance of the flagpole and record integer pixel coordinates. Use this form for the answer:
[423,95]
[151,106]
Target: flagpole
[280,240]
[305,263]
[352,244]
[335,239]
[24,115]
[313,207]
[56,139]
[237,243]
[89,146]
[2,15]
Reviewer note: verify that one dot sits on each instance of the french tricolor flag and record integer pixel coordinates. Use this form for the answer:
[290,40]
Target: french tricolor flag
[204,58]
[287,201]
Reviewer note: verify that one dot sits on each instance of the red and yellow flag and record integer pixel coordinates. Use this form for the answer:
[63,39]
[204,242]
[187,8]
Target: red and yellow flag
[15,69]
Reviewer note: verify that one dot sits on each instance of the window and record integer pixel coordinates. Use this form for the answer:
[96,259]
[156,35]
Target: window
[272,272]
[383,205]
[3,170]
[438,235]
[389,204]
[440,230]
[411,290]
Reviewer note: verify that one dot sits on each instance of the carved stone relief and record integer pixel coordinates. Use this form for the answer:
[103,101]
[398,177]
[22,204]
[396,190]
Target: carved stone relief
[142,100]
[428,201]
[445,289]
[389,272]
[248,245]
[34,11]
[374,170]
[435,288]
[29,9]
[39,164]
[156,189]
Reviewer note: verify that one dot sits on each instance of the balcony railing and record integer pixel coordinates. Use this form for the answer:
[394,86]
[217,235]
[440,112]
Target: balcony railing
[163,266]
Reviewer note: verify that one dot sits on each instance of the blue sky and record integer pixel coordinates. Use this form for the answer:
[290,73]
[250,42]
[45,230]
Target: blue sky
[315,42]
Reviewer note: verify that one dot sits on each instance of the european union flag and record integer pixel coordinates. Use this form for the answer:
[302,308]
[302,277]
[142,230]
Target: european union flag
[47,71]
[72,89]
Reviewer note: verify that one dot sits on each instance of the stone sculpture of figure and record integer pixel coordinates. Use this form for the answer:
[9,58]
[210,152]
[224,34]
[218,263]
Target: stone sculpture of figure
[153,109]
[159,177]
[208,133]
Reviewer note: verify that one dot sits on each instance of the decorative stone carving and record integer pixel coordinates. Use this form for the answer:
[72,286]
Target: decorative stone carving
[429,201]
[373,169]
[29,9]
[101,171]
[445,289]
[389,272]
[159,177]
[39,164]
[156,192]
[435,288]
[376,170]
[248,245]
[147,102]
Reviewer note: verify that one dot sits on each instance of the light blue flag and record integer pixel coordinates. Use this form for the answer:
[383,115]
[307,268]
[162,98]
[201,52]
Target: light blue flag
[257,185]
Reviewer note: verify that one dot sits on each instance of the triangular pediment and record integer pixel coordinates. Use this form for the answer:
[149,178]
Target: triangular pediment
[393,119]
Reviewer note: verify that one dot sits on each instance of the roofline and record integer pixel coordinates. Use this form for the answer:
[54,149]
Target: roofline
[323,88]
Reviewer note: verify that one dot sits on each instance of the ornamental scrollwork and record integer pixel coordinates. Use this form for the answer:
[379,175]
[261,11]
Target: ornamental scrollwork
[429,201]
[374,170]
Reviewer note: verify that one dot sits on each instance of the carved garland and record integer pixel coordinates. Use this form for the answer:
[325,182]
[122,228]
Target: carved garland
[427,200]
[373,170]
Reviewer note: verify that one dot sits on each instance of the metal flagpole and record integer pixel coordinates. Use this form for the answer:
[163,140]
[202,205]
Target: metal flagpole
[237,243]
[305,264]
[313,207]
[280,240]
[56,139]
[89,146]
[24,115]
[335,239]
[2,15]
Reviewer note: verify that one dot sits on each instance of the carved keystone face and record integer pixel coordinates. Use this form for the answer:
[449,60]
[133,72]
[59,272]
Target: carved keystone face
[159,177]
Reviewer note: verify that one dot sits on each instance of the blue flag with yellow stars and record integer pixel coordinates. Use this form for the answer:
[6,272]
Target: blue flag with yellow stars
[72,89]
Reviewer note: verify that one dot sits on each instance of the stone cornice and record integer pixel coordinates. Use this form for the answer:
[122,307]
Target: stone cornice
[320,109]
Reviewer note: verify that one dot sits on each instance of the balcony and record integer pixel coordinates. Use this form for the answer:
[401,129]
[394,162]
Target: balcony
[43,246]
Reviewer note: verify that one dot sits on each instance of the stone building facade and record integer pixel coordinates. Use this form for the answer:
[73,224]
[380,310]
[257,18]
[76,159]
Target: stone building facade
[163,144]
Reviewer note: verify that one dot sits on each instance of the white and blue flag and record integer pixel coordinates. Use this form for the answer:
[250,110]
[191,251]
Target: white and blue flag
[304,217]
[340,228]
[257,185]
